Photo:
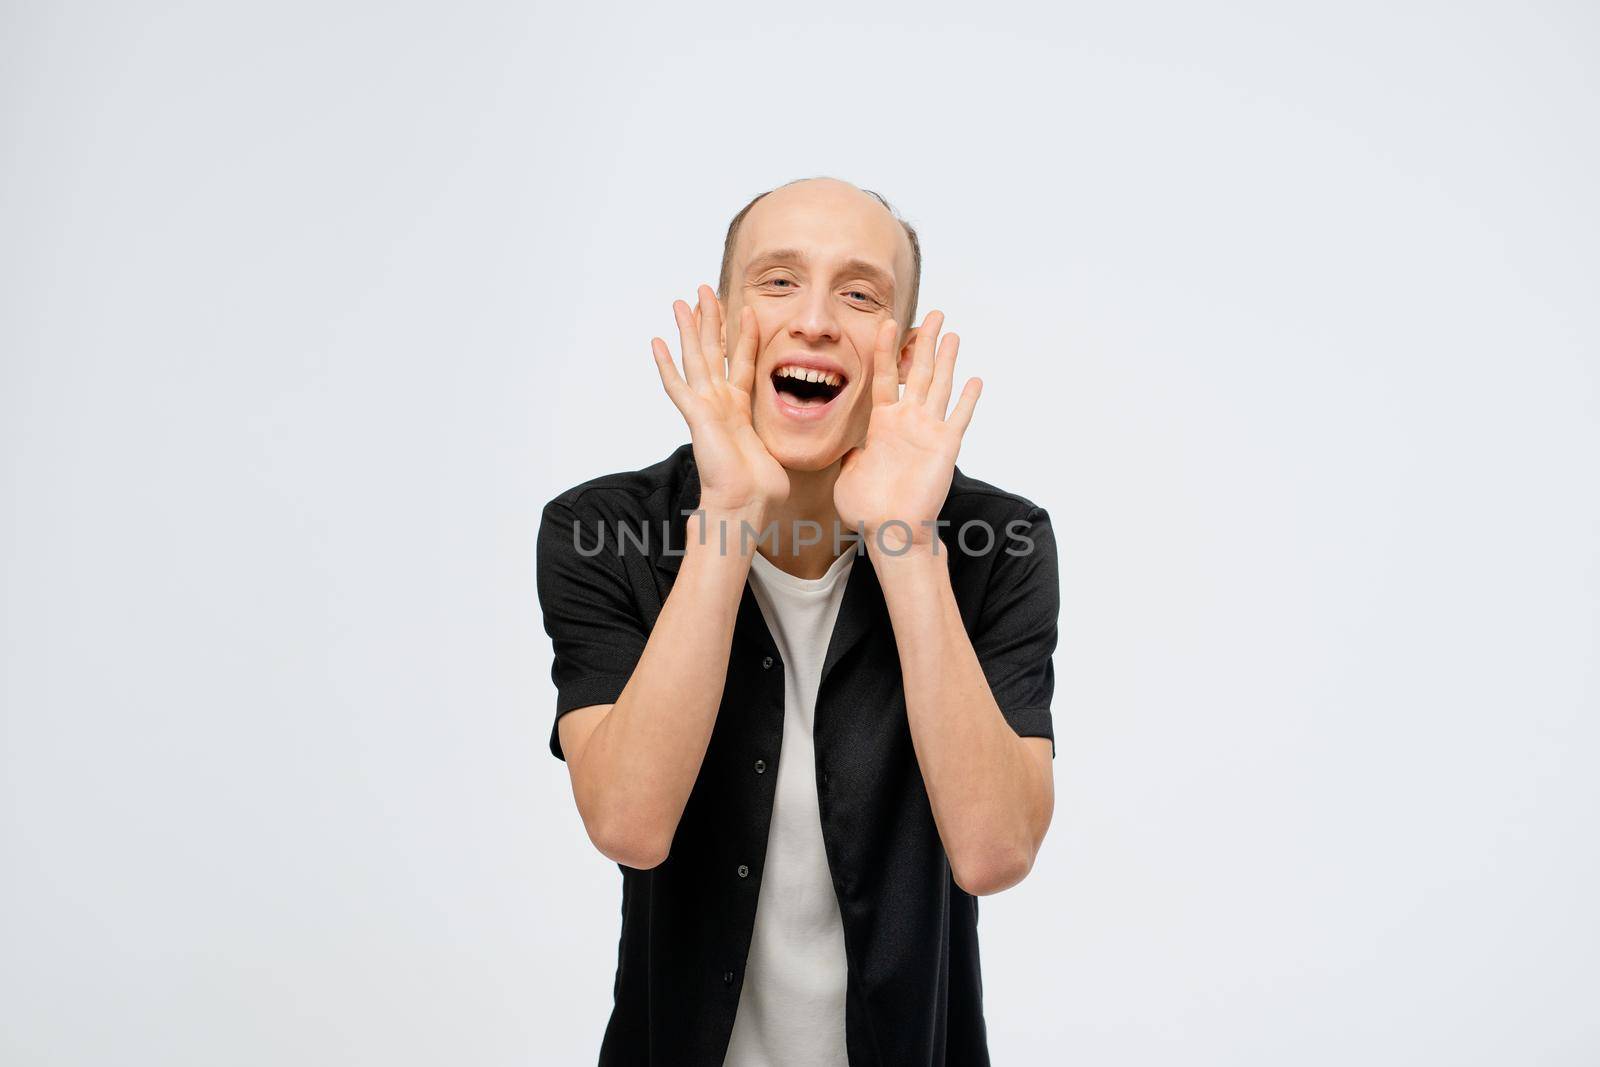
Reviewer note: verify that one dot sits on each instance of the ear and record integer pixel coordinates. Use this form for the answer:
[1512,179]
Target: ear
[903,364]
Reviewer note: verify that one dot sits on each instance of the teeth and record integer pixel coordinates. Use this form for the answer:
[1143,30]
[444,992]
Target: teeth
[809,374]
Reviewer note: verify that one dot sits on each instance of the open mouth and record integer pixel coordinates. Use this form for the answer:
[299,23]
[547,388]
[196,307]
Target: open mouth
[806,387]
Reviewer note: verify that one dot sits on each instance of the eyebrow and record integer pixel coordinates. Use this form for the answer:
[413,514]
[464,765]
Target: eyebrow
[793,256]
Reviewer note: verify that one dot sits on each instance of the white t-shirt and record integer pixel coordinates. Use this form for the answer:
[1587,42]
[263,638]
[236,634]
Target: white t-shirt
[791,1006]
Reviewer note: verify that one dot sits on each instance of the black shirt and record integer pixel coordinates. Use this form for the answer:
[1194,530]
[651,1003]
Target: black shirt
[914,992]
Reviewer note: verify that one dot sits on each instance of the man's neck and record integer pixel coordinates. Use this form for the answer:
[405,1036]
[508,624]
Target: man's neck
[810,501]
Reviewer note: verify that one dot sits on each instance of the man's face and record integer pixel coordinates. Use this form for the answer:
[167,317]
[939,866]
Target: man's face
[823,265]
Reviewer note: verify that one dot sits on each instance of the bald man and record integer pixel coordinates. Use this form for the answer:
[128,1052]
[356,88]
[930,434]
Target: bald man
[803,666]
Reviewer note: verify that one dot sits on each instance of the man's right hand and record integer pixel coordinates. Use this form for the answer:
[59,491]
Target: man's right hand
[738,476]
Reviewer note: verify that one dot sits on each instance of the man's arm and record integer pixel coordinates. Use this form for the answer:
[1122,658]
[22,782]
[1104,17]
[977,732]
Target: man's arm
[634,763]
[992,792]
[990,789]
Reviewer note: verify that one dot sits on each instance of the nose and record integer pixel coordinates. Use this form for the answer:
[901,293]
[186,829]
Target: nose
[815,318]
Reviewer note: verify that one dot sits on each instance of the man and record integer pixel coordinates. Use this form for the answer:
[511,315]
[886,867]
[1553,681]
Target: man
[808,756]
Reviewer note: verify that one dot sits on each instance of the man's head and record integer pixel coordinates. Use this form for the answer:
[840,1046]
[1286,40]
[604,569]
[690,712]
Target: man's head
[823,264]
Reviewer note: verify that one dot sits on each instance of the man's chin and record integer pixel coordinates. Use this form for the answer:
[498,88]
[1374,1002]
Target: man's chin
[804,456]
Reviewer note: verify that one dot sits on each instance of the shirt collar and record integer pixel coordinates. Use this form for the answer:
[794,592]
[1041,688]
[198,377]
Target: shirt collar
[685,500]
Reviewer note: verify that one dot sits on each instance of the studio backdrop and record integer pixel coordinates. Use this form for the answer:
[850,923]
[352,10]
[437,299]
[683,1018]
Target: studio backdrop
[1285,313]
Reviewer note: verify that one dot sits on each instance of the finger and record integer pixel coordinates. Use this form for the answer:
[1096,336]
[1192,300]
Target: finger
[742,368]
[961,417]
[709,316]
[677,389]
[922,357]
[694,364]
[944,373]
[885,384]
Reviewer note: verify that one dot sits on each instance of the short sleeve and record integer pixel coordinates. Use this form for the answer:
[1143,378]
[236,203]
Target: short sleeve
[589,611]
[1015,635]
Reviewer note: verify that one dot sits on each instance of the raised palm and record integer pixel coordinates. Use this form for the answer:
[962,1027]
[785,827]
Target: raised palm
[737,473]
[902,471]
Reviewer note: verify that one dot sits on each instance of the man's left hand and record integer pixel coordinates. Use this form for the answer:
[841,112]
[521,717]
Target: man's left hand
[902,472]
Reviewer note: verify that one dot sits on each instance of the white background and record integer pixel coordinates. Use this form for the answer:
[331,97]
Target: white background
[1288,317]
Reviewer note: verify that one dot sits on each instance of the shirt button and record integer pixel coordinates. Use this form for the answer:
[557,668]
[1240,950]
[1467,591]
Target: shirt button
[727,977]
[744,872]
[766,663]
[761,766]
[825,779]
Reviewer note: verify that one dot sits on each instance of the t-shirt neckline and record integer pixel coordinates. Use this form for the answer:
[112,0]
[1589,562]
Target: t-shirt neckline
[770,572]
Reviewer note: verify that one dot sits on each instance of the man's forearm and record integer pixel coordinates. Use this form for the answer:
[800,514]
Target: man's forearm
[982,783]
[641,762]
